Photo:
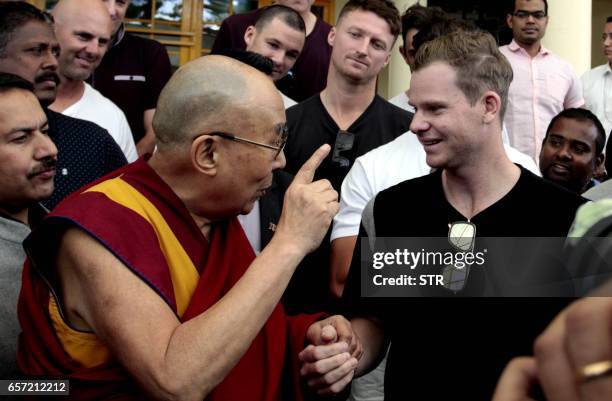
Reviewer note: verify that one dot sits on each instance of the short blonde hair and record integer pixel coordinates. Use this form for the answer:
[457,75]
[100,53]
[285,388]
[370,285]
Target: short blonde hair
[479,64]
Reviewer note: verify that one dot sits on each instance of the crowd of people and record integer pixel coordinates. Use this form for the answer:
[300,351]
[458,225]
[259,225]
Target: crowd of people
[205,234]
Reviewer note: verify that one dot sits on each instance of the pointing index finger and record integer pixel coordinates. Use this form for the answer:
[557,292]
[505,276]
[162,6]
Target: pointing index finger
[307,172]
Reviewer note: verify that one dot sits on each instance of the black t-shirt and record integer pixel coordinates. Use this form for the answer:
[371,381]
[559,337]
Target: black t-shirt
[132,74]
[85,152]
[456,347]
[311,126]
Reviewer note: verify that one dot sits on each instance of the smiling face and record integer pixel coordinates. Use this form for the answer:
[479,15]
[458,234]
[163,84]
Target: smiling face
[28,155]
[84,35]
[568,155]
[362,43]
[32,54]
[279,42]
[528,22]
[445,122]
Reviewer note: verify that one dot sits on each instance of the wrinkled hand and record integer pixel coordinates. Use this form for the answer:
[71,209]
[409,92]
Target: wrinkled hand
[309,207]
[518,379]
[329,362]
[579,336]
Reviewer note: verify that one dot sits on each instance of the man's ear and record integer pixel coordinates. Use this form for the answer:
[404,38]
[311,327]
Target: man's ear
[509,20]
[204,155]
[331,36]
[248,35]
[599,170]
[492,106]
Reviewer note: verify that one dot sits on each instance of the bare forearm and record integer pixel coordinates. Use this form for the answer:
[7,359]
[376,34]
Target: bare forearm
[202,351]
[374,343]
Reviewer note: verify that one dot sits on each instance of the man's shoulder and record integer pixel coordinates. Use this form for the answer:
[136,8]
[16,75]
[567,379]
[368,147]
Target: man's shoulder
[408,190]
[553,196]
[243,19]
[64,122]
[312,104]
[595,73]
[387,111]
[101,102]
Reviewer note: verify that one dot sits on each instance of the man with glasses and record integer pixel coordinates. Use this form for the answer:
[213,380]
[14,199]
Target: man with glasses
[543,83]
[459,88]
[150,273]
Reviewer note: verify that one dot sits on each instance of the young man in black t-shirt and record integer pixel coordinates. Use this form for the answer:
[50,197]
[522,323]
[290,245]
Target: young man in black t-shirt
[454,346]
[348,114]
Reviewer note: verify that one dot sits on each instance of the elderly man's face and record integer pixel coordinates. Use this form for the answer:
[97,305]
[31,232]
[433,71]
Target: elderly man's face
[28,155]
[361,44]
[247,168]
[279,42]
[568,155]
[528,22]
[84,38]
[117,10]
[32,54]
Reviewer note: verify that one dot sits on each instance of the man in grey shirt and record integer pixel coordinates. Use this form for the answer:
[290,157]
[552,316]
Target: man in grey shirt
[28,161]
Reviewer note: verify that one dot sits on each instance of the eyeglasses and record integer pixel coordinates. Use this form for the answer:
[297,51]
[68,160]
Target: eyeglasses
[344,141]
[282,134]
[521,14]
[461,236]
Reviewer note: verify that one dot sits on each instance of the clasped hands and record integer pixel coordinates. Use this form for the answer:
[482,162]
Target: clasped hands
[330,359]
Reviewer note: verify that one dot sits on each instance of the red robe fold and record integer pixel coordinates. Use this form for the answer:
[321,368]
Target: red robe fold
[154,236]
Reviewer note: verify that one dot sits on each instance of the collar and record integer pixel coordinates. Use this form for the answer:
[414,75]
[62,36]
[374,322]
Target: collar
[119,36]
[607,69]
[515,47]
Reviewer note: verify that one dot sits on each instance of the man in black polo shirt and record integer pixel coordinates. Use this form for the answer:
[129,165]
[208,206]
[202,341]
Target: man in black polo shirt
[28,48]
[455,346]
[132,73]
[348,114]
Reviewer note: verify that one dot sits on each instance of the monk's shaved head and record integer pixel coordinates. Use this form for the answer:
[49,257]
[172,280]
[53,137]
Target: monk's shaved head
[209,94]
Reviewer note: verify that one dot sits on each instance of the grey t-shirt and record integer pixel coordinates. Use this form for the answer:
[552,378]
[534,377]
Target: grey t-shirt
[12,256]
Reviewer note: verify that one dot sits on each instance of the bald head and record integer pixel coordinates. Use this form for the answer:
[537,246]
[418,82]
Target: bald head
[209,94]
[83,29]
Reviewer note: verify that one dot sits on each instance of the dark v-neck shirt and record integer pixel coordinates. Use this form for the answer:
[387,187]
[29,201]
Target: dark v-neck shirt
[455,348]
[311,126]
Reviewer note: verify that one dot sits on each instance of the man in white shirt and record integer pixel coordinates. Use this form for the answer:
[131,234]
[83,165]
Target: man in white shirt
[83,29]
[597,83]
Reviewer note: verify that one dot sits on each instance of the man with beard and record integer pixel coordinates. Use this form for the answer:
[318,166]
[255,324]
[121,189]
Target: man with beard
[83,29]
[572,151]
[347,114]
[28,48]
[27,168]
[543,84]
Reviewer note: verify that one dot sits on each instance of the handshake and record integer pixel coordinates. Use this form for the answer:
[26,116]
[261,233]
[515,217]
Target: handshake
[329,362]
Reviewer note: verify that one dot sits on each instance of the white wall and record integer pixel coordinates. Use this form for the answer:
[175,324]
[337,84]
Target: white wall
[569,32]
